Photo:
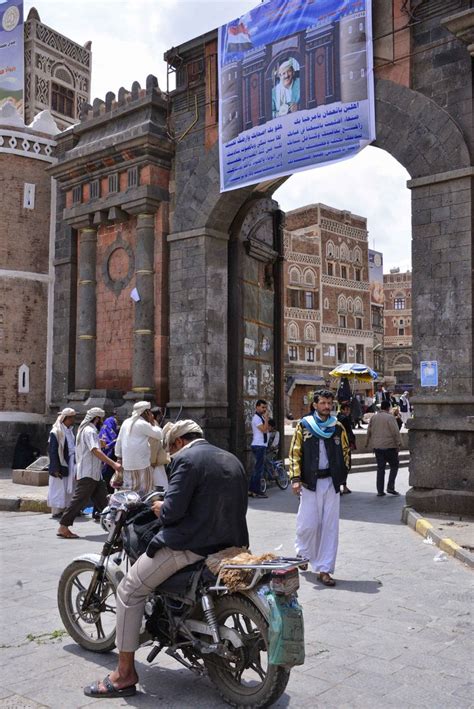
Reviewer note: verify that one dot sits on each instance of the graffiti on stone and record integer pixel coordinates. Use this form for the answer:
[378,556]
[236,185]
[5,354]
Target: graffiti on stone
[249,347]
[267,381]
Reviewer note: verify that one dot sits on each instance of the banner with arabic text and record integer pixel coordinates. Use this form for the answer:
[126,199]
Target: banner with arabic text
[295,88]
[11,52]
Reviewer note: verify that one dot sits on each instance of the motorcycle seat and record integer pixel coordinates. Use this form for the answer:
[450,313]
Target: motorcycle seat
[181,580]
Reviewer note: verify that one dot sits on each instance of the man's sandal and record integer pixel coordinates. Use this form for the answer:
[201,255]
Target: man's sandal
[326,579]
[93,690]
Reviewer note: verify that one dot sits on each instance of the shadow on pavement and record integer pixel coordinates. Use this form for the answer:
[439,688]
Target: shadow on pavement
[358,586]
[359,506]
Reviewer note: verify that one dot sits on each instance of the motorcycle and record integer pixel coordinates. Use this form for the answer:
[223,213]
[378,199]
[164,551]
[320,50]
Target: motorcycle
[246,641]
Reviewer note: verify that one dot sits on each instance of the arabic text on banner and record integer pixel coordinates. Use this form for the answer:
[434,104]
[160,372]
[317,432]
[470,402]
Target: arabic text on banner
[295,88]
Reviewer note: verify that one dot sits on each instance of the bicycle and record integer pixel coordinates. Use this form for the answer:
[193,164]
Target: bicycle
[274,471]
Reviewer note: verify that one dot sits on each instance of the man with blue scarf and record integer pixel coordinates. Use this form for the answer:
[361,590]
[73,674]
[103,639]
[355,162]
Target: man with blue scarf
[319,460]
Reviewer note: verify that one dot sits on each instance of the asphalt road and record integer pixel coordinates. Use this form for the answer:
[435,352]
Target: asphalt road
[396,631]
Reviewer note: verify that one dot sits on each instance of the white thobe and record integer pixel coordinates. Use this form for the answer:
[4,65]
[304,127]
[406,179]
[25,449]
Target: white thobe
[61,490]
[317,526]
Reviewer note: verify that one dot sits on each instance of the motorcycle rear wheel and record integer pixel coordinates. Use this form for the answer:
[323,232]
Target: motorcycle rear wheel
[250,681]
[92,628]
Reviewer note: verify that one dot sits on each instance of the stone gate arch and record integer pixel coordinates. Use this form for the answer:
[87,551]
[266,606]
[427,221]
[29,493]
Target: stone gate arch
[427,139]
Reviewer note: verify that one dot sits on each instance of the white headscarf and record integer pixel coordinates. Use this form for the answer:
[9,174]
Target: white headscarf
[172,431]
[91,414]
[138,409]
[58,430]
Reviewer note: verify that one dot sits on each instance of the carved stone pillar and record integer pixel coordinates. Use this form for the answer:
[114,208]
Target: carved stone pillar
[86,311]
[143,335]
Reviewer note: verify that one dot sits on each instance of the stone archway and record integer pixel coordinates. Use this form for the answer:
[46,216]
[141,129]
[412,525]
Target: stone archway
[429,143]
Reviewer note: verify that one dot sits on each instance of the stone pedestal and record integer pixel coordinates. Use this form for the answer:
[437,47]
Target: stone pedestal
[37,478]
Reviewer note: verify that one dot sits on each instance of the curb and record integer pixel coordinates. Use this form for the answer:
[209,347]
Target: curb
[18,504]
[425,528]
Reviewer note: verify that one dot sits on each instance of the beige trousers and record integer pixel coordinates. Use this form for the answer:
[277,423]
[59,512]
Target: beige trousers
[142,579]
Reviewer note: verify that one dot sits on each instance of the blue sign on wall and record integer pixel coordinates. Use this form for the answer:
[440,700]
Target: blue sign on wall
[429,374]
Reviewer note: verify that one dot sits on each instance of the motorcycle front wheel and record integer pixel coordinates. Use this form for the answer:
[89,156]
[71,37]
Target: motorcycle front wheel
[250,680]
[92,627]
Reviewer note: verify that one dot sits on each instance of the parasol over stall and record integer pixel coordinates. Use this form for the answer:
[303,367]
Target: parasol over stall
[354,373]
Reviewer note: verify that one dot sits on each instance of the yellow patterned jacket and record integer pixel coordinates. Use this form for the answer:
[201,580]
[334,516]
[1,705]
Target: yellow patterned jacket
[304,456]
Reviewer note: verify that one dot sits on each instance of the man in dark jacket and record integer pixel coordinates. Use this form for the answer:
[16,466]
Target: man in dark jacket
[203,512]
[319,459]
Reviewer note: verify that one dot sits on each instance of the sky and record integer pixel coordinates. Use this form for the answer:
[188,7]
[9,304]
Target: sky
[129,39]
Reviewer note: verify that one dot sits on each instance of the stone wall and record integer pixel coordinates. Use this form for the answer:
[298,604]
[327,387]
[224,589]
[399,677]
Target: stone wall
[114,349]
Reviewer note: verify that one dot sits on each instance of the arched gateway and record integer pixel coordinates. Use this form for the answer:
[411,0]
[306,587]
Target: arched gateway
[143,216]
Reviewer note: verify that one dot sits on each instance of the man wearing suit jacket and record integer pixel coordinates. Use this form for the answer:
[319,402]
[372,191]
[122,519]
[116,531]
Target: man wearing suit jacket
[203,512]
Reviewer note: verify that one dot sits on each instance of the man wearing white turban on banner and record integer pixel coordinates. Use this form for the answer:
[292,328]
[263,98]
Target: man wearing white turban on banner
[62,462]
[133,448]
[286,94]
[90,485]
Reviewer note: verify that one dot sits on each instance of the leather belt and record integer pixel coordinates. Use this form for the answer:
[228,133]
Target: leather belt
[324,473]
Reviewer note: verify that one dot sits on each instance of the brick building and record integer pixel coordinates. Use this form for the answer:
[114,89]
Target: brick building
[57,83]
[398,328]
[328,304]
[27,206]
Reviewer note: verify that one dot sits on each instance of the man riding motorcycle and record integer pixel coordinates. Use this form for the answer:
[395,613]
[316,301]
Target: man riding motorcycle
[203,512]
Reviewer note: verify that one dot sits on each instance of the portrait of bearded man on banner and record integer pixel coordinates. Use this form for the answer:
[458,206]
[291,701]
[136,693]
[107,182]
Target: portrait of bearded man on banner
[286,93]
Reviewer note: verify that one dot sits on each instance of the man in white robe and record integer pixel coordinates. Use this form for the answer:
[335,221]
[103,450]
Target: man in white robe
[62,462]
[286,94]
[133,448]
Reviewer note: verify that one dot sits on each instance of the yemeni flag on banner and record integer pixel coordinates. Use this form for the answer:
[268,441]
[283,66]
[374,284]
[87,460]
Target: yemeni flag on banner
[238,38]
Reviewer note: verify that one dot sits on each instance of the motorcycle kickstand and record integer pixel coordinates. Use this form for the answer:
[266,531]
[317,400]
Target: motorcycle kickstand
[185,663]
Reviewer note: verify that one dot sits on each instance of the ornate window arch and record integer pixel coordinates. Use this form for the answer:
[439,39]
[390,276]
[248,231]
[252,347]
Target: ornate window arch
[293,331]
[295,275]
[326,303]
[350,304]
[309,277]
[342,304]
[345,253]
[330,249]
[357,255]
[358,305]
[402,360]
[310,333]
[63,74]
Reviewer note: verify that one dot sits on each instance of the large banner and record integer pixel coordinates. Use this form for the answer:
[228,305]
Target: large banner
[295,88]
[11,52]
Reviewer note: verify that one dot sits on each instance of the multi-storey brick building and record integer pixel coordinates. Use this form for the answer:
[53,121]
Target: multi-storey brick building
[57,83]
[27,206]
[328,307]
[398,328]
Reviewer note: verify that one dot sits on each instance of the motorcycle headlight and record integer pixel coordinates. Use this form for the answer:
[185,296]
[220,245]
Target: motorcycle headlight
[122,498]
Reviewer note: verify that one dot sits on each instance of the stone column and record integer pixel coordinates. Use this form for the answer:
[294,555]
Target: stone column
[441,436]
[198,368]
[86,311]
[143,334]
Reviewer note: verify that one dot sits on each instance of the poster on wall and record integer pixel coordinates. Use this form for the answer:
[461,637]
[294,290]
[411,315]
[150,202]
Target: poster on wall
[11,53]
[376,277]
[295,88]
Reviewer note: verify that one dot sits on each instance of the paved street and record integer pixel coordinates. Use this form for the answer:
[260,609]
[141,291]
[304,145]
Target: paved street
[395,632]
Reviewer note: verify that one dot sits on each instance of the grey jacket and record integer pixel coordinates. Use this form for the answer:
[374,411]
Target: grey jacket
[383,431]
